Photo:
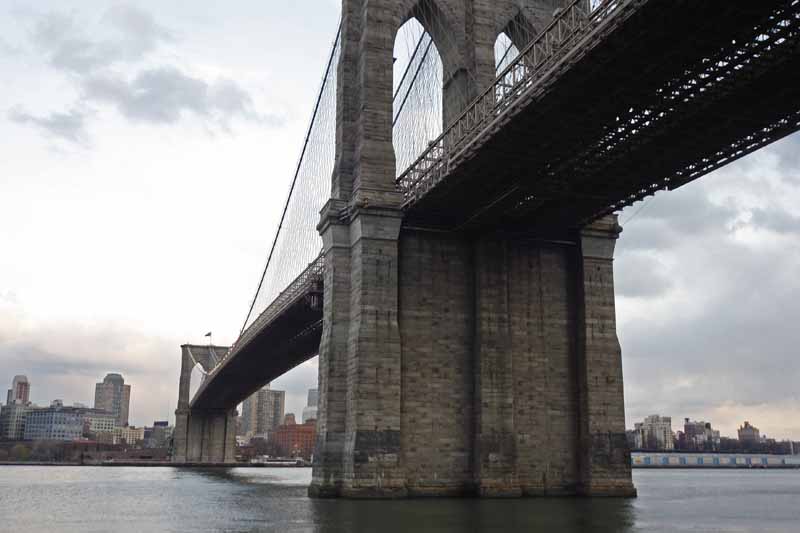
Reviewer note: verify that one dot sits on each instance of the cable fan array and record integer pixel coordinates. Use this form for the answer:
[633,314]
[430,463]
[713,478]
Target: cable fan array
[417,120]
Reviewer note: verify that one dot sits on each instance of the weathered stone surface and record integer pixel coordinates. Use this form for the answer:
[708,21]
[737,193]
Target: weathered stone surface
[437,331]
[493,395]
[454,364]
[201,436]
[606,465]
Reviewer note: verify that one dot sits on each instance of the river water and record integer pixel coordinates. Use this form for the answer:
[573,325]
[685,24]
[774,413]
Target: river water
[84,499]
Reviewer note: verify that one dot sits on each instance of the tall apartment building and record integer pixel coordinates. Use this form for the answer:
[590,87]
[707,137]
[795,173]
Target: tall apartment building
[310,410]
[654,433]
[749,435]
[114,396]
[20,391]
[263,412]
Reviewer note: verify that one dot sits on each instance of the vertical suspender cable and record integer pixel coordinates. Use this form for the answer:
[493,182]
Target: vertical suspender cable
[296,174]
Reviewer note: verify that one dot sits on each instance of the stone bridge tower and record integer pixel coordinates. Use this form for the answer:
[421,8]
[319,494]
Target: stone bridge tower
[452,363]
[202,436]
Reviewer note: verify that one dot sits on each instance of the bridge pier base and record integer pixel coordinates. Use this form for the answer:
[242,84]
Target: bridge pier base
[205,437]
[358,448]
[201,436]
[452,366]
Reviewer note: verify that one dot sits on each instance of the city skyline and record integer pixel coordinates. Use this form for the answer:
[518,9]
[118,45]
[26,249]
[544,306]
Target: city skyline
[92,160]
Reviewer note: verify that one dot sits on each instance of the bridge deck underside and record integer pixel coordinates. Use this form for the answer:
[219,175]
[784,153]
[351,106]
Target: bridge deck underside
[643,110]
[290,339]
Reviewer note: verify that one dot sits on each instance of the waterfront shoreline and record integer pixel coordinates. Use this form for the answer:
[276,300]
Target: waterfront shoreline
[717,467]
[145,464]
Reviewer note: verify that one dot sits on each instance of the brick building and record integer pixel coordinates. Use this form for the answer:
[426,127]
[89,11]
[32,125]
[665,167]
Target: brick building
[295,440]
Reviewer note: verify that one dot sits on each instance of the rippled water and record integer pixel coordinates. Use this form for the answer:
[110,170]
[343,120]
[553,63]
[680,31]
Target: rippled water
[50,499]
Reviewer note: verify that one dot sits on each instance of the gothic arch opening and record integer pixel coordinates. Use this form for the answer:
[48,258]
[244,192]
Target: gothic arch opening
[514,38]
[417,115]
[505,52]
[196,378]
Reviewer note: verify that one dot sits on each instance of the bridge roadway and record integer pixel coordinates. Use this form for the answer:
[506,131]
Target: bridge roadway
[284,335]
[601,112]
[598,113]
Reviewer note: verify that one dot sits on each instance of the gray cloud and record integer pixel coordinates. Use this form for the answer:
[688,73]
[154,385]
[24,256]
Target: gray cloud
[38,361]
[666,219]
[136,34]
[68,126]
[7,49]
[163,95]
[777,220]
[65,360]
[707,288]
[788,155]
[641,275]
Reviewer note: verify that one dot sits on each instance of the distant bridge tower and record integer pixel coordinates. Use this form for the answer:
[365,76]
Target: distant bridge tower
[453,363]
[202,436]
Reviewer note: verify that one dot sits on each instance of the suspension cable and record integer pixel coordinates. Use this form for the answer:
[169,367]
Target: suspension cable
[296,174]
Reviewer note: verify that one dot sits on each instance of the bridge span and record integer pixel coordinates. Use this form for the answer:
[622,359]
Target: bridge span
[463,308]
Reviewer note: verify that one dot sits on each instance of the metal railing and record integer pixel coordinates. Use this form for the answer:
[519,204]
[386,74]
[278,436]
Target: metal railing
[299,288]
[516,85]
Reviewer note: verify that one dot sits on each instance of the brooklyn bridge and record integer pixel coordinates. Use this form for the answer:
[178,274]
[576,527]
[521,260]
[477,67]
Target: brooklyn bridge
[447,245]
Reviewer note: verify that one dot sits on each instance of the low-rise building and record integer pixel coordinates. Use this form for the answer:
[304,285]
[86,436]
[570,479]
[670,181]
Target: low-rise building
[158,436]
[295,440]
[128,435]
[59,422]
[54,423]
[98,421]
[13,418]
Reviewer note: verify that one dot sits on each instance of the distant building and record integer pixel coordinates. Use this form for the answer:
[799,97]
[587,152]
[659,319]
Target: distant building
[128,435]
[98,421]
[749,435]
[13,418]
[20,391]
[699,435]
[114,396]
[262,412]
[310,410]
[158,436]
[58,422]
[295,440]
[654,433]
[289,420]
[54,423]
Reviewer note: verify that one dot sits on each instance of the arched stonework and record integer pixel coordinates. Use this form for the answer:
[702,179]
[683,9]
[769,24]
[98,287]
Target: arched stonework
[361,449]
[464,32]
[202,436]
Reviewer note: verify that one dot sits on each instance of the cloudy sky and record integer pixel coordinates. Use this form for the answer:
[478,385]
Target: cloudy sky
[146,151]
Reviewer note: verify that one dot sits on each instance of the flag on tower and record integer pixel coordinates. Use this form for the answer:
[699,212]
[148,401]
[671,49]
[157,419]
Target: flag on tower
[208,334]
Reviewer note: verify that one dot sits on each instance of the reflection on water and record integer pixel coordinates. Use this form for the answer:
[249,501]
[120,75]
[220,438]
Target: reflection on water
[475,515]
[165,499]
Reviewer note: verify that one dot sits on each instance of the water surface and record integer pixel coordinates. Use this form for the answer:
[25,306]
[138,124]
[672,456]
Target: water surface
[51,499]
